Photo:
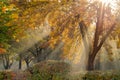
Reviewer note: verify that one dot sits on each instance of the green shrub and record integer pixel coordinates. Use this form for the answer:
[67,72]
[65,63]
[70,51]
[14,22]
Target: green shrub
[7,75]
[97,75]
[49,70]
[1,76]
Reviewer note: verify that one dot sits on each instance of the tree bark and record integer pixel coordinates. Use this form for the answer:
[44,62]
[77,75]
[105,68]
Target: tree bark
[90,66]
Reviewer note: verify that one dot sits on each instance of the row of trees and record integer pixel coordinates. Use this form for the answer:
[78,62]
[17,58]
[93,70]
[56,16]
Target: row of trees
[11,33]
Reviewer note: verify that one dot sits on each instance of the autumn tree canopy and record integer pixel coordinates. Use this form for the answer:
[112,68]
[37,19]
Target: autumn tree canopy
[72,22]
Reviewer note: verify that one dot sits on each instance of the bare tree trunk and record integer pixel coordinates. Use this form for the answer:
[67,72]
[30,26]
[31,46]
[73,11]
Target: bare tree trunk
[20,61]
[20,64]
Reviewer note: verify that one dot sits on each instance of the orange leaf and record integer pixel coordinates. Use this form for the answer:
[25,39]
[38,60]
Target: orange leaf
[2,51]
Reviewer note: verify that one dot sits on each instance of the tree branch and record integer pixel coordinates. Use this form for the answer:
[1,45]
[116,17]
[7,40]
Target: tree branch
[103,40]
[106,35]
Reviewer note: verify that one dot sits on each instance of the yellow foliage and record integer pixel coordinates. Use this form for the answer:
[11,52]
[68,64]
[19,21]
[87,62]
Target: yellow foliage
[12,6]
[14,16]
[17,40]
[63,19]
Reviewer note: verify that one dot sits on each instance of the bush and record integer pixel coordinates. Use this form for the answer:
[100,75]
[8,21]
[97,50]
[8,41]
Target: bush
[1,76]
[7,75]
[49,70]
[97,75]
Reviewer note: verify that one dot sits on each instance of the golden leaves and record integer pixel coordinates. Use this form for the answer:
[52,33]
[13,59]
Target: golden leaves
[54,41]
[2,51]
[11,7]
[17,40]
[4,9]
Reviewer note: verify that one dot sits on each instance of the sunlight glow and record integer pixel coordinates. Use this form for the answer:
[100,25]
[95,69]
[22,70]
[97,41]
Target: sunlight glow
[111,3]
[106,2]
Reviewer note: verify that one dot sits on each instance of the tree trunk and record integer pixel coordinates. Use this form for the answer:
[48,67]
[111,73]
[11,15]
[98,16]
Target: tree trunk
[97,62]
[91,59]
[20,63]
[27,62]
[27,65]
[90,65]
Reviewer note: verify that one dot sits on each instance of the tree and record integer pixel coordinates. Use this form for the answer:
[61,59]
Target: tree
[28,59]
[38,51]
[69,22]
[7,17]
[105,24]
[7,31]
[7,60]
[100,34]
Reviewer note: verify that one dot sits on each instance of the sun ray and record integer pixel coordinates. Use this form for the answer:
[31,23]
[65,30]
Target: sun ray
[106,2]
